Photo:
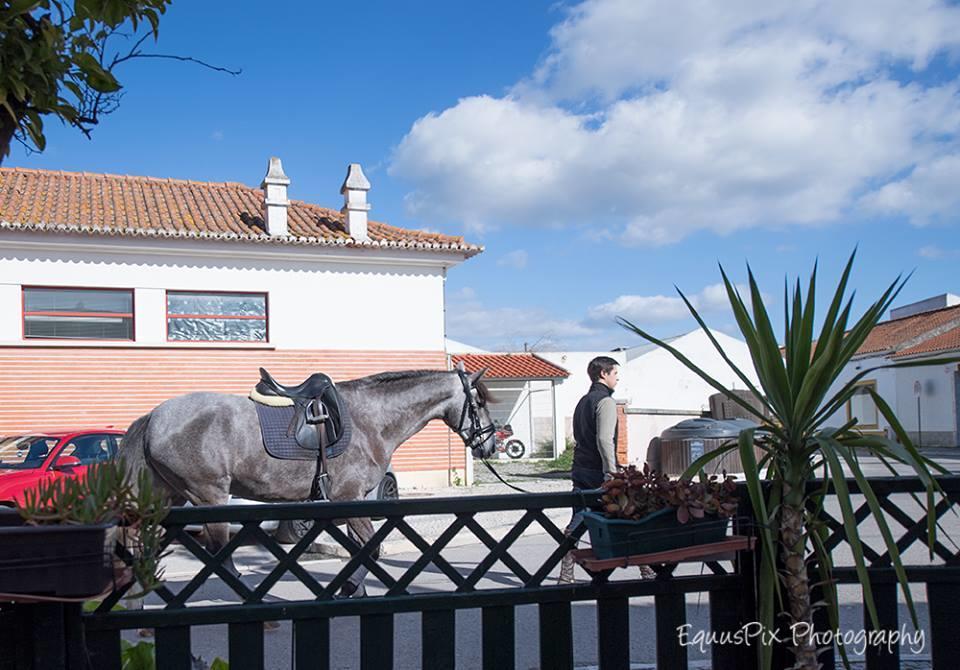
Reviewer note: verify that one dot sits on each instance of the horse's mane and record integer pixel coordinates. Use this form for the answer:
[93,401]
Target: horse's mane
[483,392]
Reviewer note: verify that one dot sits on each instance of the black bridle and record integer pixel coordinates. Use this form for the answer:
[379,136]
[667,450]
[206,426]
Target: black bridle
[478,433]
[471,412]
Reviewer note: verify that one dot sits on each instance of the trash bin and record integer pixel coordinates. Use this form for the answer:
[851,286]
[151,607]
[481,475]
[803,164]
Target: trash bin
[685,442]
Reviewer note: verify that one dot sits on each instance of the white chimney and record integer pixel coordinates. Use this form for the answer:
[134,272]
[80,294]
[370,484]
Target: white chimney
[355,206]
[275,201]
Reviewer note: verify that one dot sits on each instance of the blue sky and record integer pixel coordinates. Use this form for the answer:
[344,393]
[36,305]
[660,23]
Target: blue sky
[602,151]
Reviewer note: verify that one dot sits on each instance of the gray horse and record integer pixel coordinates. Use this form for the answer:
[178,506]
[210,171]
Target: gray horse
[203,447]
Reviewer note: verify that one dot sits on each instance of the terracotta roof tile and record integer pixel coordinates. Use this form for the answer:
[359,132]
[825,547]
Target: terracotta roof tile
[897,333]
[948,341]
[107,204]
[511,366]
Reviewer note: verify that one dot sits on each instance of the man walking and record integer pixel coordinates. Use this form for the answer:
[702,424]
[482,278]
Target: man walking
[595,426]
[595,434]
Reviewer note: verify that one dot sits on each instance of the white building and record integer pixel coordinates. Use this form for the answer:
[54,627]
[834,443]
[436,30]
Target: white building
[119,292]
[525,387]
[655,389]
[925,399]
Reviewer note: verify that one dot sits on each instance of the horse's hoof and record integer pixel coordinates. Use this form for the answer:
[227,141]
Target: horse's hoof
[350,591]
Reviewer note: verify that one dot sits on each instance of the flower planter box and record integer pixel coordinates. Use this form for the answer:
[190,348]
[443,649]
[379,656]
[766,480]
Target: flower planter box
[55,560]
[653,533]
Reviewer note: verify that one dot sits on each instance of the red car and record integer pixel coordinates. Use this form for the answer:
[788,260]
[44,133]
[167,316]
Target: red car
[31,458]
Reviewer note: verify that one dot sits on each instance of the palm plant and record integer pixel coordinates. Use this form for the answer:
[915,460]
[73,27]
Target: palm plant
[796,446]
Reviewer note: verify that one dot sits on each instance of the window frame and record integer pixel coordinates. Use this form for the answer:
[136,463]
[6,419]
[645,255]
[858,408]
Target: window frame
[872,383]
[132,314]
[240,317]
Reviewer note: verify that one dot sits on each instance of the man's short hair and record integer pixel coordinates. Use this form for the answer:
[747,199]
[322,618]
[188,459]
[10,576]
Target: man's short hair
[601,365]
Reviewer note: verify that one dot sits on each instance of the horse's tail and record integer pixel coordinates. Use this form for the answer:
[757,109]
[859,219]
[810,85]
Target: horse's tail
[133,449]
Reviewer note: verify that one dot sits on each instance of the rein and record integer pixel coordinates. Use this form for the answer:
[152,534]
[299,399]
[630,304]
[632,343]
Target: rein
[472,412]
[477,432]
[502,480]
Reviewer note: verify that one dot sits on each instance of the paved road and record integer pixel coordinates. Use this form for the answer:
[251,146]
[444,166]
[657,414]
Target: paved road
[465,553]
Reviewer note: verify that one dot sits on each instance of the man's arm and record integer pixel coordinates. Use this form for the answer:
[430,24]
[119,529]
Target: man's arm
[606,425]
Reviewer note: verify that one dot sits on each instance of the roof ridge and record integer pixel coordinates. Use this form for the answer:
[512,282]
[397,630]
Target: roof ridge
[918,314]
[103,203]
[924,345]
[128,177]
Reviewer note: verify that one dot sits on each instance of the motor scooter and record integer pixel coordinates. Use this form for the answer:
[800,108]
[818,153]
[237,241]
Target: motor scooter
[508,445]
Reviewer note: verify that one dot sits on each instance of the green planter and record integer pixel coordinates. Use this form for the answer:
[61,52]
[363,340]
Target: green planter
[653,533]
[55,560]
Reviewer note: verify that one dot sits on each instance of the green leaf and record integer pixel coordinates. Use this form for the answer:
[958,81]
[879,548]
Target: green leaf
[219,664]
[98,79]
[22,6]
[138,656]
[880,519]
[690,365]
[723,354]
[838,477]
[752,476]
[698,465]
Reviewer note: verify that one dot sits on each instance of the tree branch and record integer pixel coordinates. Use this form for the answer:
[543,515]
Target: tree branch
[188,59]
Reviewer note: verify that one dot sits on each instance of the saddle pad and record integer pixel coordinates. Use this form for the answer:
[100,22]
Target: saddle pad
[274,424]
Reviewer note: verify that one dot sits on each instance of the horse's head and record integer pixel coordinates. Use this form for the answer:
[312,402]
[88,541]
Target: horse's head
[471,419]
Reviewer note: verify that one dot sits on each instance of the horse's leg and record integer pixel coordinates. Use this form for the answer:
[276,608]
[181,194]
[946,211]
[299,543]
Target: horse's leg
[216,535]
[360,530]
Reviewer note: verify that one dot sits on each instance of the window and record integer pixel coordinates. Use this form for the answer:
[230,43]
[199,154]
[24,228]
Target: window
[861,406]
[90,449]
[78,313]
[216,317]
[25,452]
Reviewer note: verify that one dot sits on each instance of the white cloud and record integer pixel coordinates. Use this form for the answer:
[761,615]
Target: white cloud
[216,135]
[515,259]
[508,328]
[933,252]
[660,308]
[928,194]
[659,119]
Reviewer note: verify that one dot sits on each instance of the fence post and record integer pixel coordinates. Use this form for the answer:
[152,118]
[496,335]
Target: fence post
[944,603]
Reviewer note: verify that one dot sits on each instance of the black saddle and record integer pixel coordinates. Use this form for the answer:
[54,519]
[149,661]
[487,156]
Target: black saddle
[319,418]
[312,387]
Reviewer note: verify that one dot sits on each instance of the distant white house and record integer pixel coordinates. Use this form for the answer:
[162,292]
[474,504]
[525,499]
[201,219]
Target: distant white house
[525,386]
[925,399]
[655,388]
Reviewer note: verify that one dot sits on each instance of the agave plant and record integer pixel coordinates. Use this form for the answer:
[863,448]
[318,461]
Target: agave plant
[796,446]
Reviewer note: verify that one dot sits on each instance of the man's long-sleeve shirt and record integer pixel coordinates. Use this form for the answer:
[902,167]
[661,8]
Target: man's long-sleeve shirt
[606,432]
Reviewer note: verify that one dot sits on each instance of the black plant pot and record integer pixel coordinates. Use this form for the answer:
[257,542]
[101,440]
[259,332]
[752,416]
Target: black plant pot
[660,531]
[54,560]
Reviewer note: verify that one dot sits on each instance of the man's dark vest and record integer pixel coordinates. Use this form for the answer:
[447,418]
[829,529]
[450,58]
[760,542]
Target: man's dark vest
[586,456]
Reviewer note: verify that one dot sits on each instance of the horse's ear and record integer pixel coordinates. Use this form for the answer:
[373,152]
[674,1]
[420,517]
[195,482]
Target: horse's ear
[477,375]
[460,366]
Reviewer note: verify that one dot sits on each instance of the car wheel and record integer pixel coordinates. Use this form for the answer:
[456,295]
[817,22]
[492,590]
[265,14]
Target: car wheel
[515,449]
[388,488]
[290,531]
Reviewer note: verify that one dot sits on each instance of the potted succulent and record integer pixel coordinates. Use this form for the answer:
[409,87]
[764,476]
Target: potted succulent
[61,541]
[645,511]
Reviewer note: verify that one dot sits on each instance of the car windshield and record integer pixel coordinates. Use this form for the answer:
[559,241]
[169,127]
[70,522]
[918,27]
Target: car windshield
[24,452]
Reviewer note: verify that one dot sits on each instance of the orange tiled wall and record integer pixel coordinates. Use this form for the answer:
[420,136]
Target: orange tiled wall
[621,434]
[43,388]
